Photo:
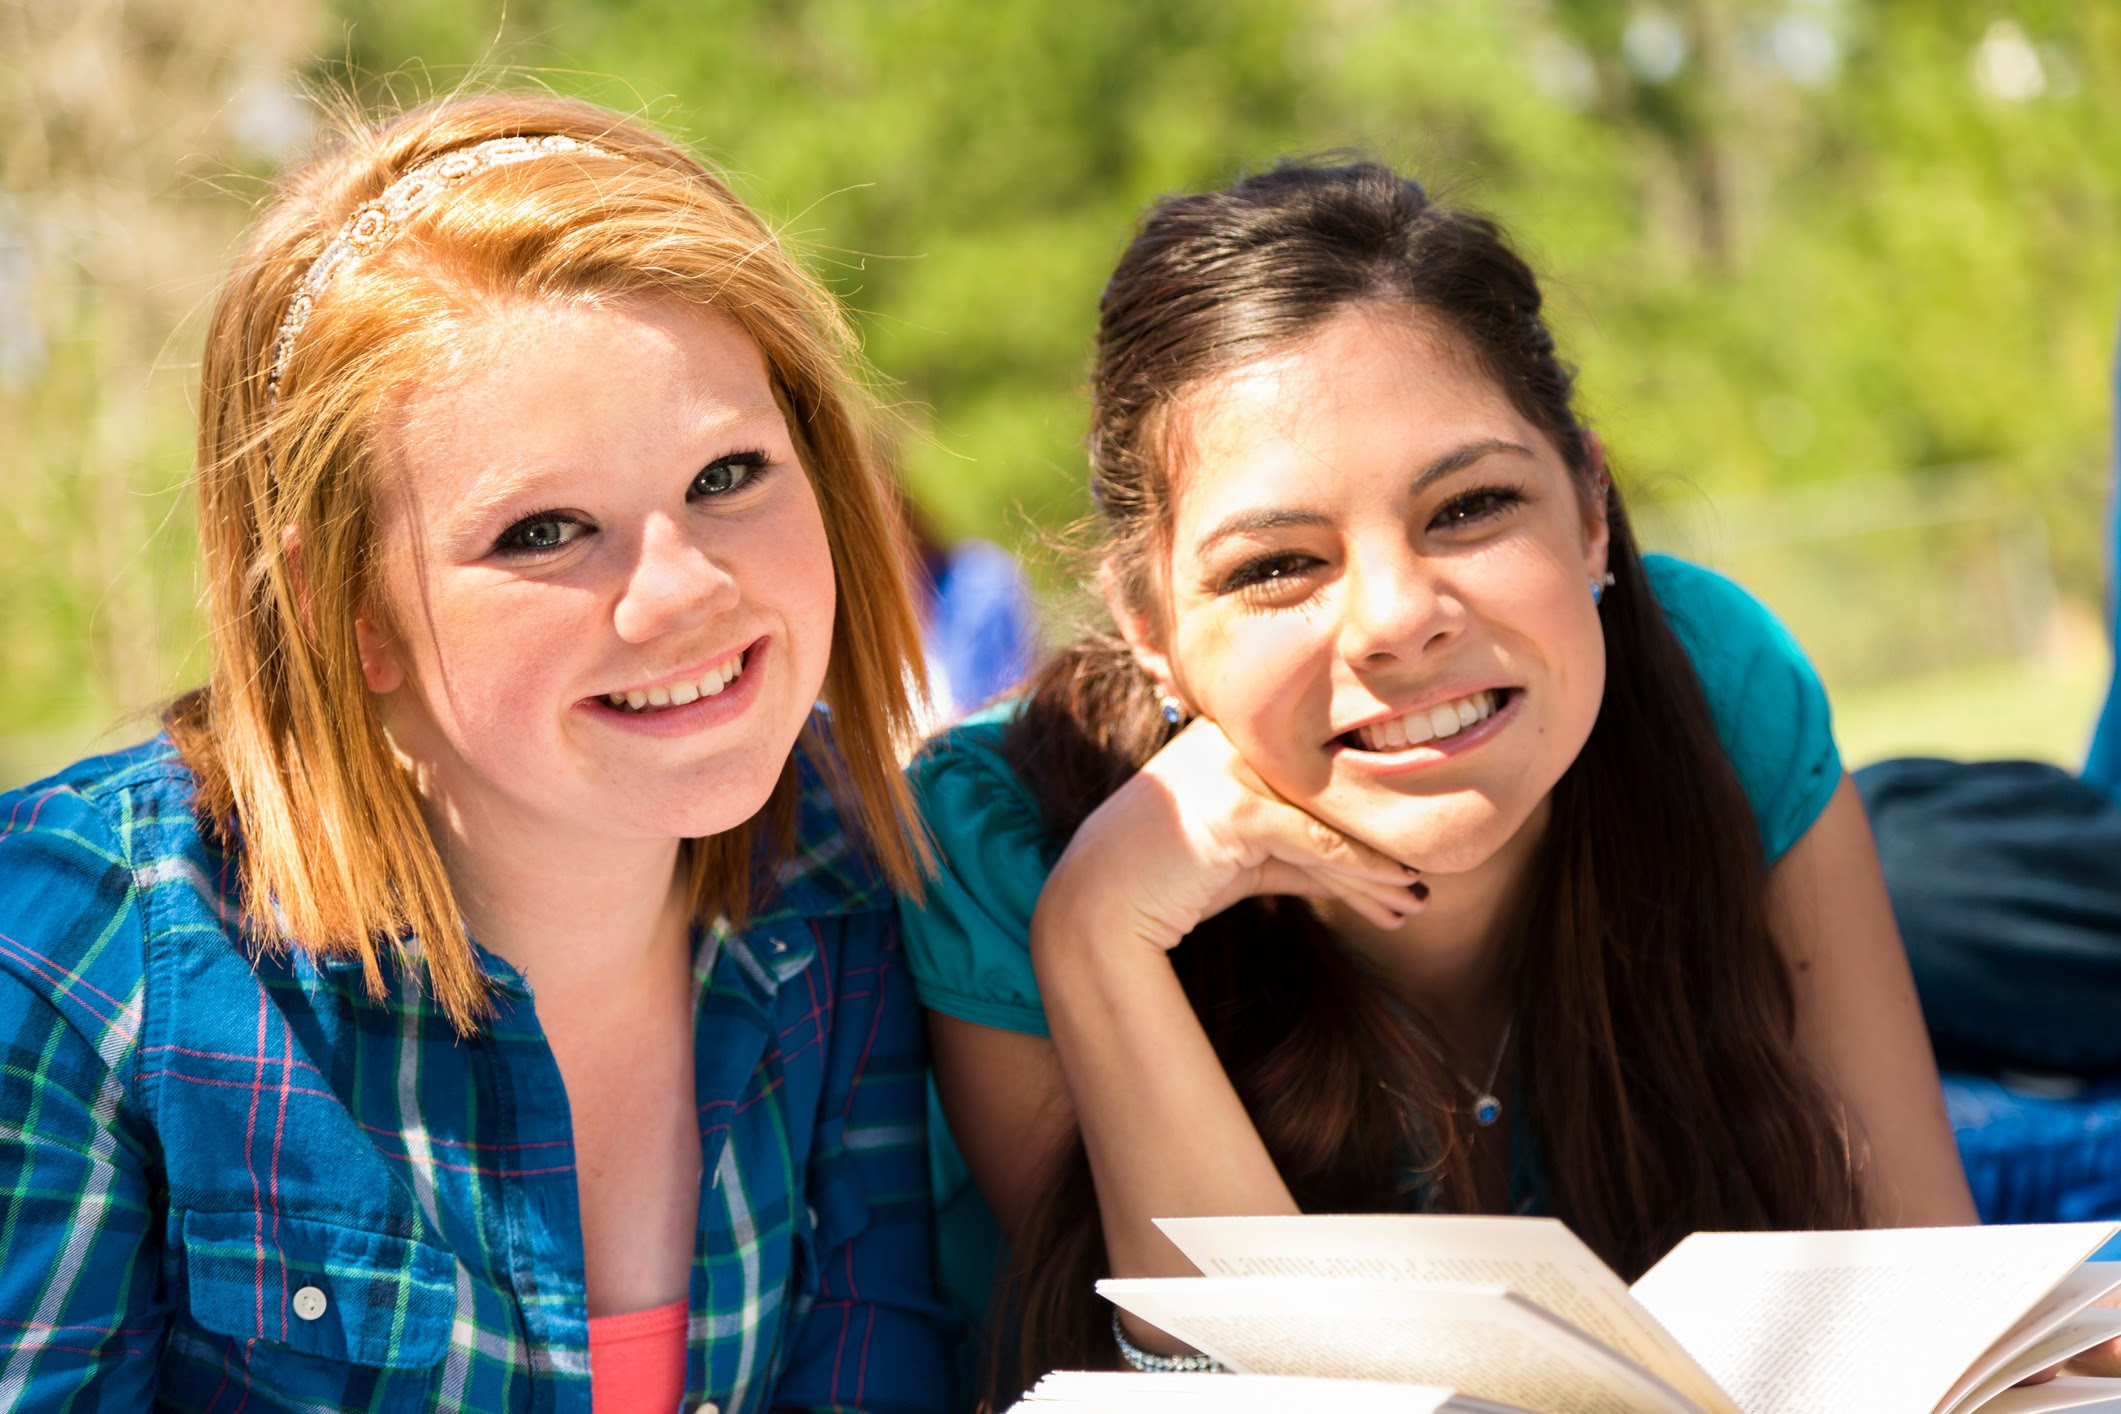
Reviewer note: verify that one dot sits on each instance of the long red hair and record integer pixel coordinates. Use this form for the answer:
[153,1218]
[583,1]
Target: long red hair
[286,740]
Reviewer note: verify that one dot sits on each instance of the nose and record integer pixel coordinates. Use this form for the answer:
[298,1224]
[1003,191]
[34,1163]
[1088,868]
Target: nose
[673,584]
[1396,607]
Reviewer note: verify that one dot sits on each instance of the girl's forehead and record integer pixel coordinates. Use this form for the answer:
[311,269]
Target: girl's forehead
[554,387]
[1372,394]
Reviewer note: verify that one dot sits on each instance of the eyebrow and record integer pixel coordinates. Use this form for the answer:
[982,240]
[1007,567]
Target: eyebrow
[1251,522]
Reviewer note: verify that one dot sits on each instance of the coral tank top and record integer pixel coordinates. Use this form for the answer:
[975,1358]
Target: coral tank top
[637,1361]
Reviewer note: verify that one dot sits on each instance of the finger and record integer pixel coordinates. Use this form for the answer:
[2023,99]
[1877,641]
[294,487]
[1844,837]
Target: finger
[1405,899]
[1281,877]
[1309,842]
[1383,908]
[2103,1359]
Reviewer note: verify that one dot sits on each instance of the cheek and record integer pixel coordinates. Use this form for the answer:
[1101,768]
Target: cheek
[485,651]
[1264,679]
[1565,631]
[793,572]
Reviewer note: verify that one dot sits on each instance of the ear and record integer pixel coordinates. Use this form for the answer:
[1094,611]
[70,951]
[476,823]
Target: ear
[1138,632]
[1597,523]
[381,668]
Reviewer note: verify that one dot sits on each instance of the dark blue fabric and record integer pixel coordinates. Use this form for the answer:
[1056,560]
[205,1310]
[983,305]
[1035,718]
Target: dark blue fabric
[2006,882]
[2039,1158]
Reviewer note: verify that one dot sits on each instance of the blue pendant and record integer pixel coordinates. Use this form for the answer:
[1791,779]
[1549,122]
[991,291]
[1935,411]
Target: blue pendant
[1486,1110]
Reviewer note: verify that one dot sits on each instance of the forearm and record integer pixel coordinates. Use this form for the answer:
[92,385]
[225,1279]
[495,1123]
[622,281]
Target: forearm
[1166,1133]
[1860,1023]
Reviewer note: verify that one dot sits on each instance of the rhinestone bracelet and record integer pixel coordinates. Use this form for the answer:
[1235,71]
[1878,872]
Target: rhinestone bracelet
[1152,1364]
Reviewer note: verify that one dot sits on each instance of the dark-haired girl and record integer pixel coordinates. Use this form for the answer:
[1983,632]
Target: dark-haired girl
[1417,843]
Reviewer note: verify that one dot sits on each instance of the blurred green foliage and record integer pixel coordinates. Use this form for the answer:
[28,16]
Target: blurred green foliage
[1787,241]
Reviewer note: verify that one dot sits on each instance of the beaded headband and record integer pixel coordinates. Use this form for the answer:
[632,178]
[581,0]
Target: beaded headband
[374,223]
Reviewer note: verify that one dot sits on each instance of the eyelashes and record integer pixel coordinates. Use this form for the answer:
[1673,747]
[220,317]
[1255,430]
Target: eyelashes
[1272,577]
[728,474]
[543,532]
[540,534]
[1474,506]
[1267,570]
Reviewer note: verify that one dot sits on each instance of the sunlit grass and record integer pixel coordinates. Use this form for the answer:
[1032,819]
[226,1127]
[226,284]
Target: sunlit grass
[2038,710]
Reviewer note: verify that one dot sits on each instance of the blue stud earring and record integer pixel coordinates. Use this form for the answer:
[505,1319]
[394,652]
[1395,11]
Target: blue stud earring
[1174,711]
[1599,587]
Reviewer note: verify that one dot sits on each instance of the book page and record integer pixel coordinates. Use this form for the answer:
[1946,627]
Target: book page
[2074,1336]
[1484,1342]
[1884,1321]
[1538,1258]
[2024,1348]
[2068,1392]
[1126,1392]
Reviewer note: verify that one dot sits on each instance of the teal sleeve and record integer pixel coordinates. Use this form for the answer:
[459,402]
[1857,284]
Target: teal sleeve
[1769,706]
[969,937]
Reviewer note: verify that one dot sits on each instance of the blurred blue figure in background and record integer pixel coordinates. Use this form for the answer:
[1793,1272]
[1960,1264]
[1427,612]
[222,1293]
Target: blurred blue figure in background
[2006,881]
[979,625]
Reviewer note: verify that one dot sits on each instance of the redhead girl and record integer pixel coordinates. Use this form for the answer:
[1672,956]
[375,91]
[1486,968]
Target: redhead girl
[1418,844]
[486,994]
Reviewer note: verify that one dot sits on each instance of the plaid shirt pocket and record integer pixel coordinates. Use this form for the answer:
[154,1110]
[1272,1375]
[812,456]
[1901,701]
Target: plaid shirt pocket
[318,1288]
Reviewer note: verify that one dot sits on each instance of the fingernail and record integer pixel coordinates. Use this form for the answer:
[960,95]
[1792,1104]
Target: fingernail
[1410,871]
[1420,891]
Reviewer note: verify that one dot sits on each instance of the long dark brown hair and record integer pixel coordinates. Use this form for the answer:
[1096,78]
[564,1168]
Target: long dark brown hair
[1655,1053]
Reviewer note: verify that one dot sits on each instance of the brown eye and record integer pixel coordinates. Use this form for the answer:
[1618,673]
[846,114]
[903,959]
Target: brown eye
[1474,506]
[1267,570]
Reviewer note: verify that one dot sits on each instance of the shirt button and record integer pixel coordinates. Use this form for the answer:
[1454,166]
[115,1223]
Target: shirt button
[310,1303]
[708,1407]
[811,1209]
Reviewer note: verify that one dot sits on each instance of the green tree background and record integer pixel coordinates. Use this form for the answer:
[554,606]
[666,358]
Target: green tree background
[1841,275]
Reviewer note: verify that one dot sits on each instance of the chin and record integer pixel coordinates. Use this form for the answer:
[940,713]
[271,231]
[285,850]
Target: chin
[1449,835]
[713,802]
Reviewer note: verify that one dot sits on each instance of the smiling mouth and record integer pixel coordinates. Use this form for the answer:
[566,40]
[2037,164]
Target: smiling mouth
[649,700]
[1445,719]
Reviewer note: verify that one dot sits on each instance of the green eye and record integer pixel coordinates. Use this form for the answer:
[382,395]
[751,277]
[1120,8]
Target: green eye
[539,534]
[727,474]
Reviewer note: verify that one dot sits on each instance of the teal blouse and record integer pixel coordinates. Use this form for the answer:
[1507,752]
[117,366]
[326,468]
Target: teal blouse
[969,939]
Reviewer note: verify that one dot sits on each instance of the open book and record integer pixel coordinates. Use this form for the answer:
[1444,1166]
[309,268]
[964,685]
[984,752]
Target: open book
[1501,1315]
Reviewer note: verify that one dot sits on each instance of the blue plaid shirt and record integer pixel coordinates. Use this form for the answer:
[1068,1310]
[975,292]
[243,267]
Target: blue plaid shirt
[197,1143]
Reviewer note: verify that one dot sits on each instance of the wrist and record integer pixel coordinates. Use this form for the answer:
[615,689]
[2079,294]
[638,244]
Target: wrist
[1079,926]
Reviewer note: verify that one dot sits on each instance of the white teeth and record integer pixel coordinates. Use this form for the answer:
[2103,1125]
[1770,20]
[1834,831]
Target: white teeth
[678,694]
[1446,719]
